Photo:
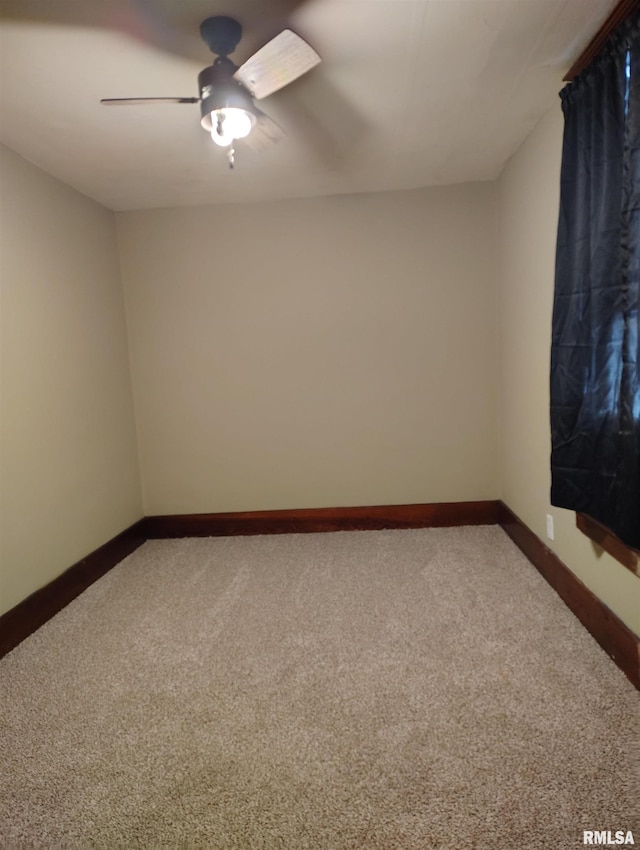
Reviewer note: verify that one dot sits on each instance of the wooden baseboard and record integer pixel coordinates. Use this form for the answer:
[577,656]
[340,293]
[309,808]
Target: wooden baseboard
[322,519]
[614,637]
[34,611]
[618,641]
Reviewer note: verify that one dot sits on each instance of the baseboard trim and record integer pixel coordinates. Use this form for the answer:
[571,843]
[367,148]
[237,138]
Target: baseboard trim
[310,520]
[34,611]
[618,641]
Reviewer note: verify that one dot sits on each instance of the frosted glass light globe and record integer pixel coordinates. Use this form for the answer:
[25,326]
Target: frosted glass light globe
[229,123]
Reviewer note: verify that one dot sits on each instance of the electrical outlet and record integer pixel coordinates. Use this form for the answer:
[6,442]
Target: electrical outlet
[549,526]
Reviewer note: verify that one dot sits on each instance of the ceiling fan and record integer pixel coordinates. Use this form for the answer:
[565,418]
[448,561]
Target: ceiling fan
[227,92]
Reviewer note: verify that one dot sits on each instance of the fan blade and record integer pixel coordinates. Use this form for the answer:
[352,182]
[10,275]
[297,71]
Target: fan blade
[281,61]
[136,101]
[331,125]
[264,134]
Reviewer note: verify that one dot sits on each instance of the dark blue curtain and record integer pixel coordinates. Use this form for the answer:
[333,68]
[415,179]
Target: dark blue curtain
[595,384]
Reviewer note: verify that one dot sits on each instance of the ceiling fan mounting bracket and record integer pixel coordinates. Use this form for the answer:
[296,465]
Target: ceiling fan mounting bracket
[221,34]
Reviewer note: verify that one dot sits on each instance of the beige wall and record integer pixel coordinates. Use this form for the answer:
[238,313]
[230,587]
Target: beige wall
[338,351]
[529,194]
[328,352]
[68,462]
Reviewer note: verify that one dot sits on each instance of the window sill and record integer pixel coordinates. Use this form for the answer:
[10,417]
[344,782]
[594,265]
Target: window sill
[608,541]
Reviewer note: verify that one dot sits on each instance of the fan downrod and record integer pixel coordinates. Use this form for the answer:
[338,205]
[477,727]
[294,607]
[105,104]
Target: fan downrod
[221,34]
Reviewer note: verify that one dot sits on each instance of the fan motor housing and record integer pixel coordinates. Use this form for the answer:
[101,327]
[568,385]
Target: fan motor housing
[218,89]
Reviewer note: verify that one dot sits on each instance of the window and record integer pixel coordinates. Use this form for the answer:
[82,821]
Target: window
[595,381]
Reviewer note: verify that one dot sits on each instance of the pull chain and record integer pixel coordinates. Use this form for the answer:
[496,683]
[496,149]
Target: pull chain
[231,156]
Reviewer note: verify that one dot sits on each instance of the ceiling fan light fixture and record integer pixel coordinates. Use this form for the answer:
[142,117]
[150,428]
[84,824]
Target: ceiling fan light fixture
[227,92]
[229,123]
[226,107]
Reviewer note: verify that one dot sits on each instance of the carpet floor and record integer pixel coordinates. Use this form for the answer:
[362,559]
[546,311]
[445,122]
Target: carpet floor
[363,690]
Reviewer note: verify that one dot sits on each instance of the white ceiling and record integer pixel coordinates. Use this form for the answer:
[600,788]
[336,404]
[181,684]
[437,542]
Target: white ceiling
[410,93]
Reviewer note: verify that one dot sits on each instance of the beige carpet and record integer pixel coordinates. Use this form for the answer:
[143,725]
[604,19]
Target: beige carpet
[386,689]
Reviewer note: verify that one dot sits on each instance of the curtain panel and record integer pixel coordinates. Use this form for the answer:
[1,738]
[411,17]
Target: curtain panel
[595,385]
